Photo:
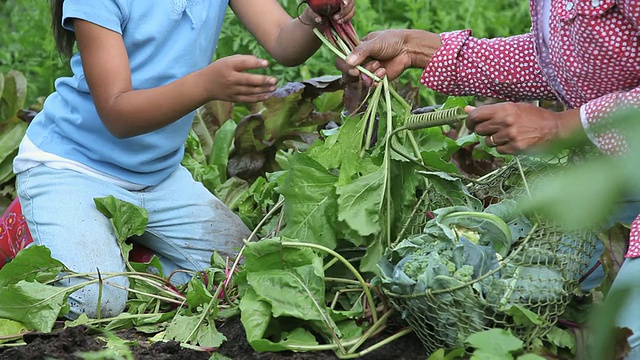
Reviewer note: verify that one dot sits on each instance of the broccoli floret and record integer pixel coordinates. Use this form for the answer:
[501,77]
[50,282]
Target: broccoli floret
[464,274]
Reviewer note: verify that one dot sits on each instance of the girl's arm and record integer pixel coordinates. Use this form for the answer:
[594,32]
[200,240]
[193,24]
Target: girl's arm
[289,41]
[127,112]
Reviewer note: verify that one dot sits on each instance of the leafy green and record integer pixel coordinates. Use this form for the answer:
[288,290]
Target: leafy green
[311,202]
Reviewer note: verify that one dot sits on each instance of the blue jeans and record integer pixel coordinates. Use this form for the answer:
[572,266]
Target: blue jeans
[186,225]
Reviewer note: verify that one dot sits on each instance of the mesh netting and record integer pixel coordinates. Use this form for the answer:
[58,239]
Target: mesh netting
[538,275]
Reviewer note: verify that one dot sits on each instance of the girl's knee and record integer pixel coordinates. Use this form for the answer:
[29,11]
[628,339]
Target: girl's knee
[94,302]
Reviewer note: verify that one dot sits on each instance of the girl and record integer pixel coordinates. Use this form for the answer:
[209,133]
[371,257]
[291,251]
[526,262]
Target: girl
[118,125]
[584,53]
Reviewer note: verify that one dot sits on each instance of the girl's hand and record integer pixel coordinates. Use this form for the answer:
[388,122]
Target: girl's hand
[514,128]
[228,81]
[347,11]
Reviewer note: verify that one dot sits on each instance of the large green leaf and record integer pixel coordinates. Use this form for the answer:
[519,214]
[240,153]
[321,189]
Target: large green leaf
[256,319]
[360,202]
[269,254]
[206,335]
[127,220]
[14,94]
[12,131]
[311,202]
[33,263]
[342,146]
[222,143]
[35,305]
[297,292]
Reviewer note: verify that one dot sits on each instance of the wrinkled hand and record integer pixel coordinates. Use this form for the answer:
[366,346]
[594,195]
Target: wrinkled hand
[346,13]
[388,51]
[514,128]
[228,81]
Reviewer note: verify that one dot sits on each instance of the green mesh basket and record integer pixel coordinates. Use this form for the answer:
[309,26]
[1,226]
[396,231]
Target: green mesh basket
[538,275]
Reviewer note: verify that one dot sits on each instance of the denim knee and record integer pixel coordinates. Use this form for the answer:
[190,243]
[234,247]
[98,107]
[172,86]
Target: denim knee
[85,300]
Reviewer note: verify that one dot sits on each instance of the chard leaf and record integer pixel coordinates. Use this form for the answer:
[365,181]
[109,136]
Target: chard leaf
[9,328]
[206,335]
[35,305]
[297,293]
[269,254]
[127,219]
[222,143]
[339,147]
[33,263]
[524,316]
[494,344]
[612,257]
[256,318]
[197,294]
[453,189]
[13,95]
[310,200]
[360,202]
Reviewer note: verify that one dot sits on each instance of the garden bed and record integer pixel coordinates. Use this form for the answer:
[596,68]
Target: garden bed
[69,342]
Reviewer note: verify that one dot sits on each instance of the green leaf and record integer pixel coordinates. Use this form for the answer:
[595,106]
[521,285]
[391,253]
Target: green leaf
[33,263]
[268,254]
[283,114]
[561,197]
[127,219]
[562,338]
[222,143]
[329,101]
[35,305]
[523,316]
[12,130]
[360,202]
[233,192]
[494,344]
[530,357]
[207,335]
[256,317]
[13,95]
[1,88]
[615,241]
[297,293]
[9,327]
[197,294]
[457,101]
[311,202]
[339,147]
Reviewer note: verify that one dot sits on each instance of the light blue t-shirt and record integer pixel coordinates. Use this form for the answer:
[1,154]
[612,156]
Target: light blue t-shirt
[165,40]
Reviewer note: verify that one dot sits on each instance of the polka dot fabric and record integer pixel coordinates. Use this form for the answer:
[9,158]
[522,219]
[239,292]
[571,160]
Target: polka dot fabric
[592,61]
[634,239]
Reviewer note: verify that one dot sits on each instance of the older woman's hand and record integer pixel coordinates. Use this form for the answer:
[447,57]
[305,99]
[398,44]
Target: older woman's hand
[391,52]
[514,128]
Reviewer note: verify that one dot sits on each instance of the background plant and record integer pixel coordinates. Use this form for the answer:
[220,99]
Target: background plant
[29,47]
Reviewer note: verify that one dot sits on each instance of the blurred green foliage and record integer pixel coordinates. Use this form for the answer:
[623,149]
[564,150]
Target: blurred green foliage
[28,46]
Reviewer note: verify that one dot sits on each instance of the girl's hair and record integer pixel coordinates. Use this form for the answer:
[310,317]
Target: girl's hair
[65,39]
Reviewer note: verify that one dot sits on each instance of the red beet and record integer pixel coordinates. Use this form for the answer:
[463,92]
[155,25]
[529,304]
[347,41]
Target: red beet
[324,8]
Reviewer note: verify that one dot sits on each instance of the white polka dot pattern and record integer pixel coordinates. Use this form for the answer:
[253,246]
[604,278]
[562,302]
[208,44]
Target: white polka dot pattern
[634,239]
[592,62]
[504,68]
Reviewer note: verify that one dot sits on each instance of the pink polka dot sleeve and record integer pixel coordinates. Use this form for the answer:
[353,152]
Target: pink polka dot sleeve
[596,113]
[504,68]
[597,123]
[634,240]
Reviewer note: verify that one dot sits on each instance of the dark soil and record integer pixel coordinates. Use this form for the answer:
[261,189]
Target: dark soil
[64,344]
